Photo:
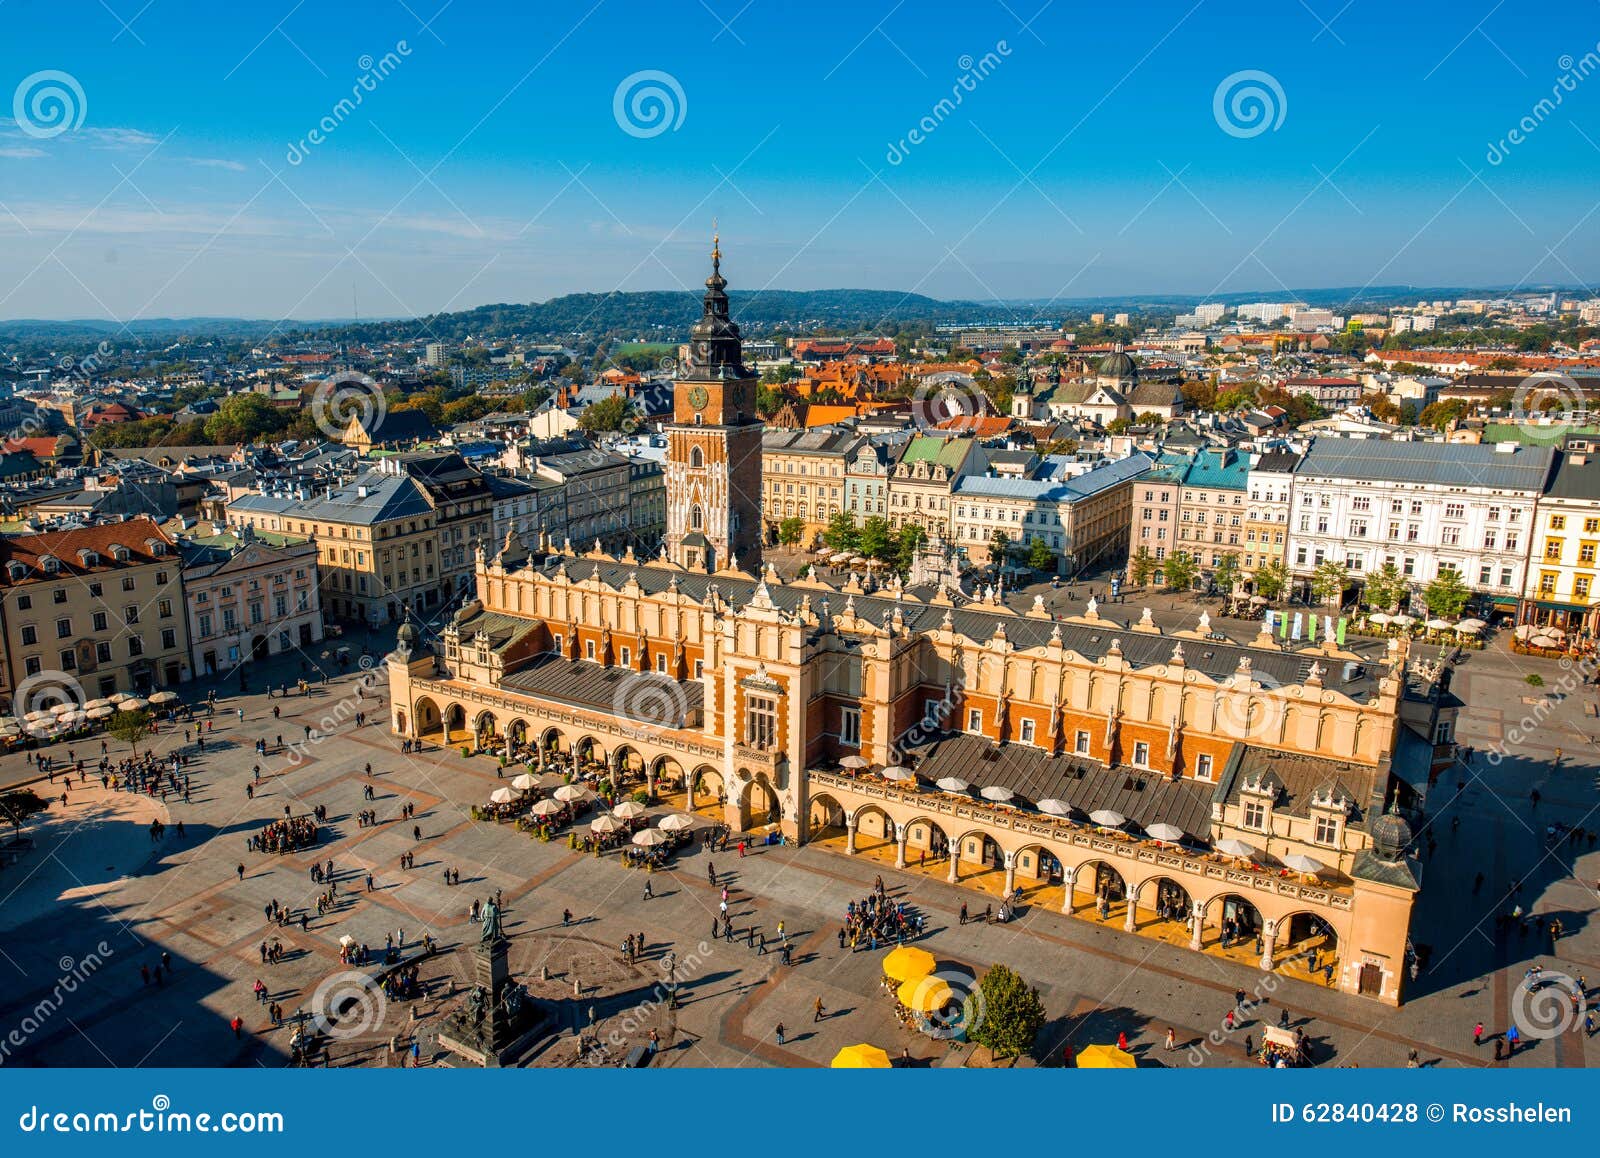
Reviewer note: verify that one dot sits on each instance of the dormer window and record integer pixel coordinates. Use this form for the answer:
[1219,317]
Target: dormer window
[88,558]
[119,552]
[49,564]
[17,571]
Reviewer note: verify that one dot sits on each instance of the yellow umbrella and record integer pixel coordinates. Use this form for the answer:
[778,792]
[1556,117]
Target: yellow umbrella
[925,994]
[1105,1057]
[907,963]
[861,1057]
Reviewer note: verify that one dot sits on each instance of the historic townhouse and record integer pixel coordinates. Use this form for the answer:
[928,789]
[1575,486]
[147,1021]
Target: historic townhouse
[1154,515]
[248,600]
[1240,800]
[1211,506]
[1266,518]
[1562,571]
[803,474]
[1424,507]
[923,477]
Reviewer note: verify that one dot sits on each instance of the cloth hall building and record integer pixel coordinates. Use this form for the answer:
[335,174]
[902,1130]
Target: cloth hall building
[1231,798]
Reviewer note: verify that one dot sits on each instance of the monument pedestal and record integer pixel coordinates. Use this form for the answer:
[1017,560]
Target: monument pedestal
[497,1022]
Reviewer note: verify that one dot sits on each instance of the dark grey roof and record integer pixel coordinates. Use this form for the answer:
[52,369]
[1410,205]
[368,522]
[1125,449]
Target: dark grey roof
[1277,461]
[609,689]
[1217,660]
[1033,774]
[1296,777]
[1575,480]
[1440,463]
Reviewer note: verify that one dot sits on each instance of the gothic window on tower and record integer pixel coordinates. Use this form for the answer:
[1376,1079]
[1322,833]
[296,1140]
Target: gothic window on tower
[761,722]
[697,518]
[696,459]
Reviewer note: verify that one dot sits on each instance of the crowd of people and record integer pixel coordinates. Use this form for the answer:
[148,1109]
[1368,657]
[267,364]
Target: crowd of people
[875,920]
[288,835]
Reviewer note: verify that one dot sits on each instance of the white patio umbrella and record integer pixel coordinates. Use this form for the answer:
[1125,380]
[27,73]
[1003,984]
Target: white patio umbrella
[675,822]
[9,731]
[66,709]
[347,940]
[952,784]
[1302,863]
[855,762]
[133,704]
[568,793]
[1438,625]
[648,837]
[502,796]
[628,810]
[1170,833]
[1471,625]
[1380,618]
[526,782]
[895,772]
[1555,631]
[996,793]
[1236,848]
[1543,641]
[163,697]
[1108,817]
[103,712]
[1404,620]
[1524,631]
[605,824]
[546,808]
[118,697]
[1055,807]
[39,716]
[93,704]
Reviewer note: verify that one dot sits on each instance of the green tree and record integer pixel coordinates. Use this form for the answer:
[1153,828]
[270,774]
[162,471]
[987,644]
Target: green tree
[19,804]
[129,727]
[1328,582]
[244,418]
[1226,575]
[790,530]
[907,544]
[999,547]
[1141,567]
[1012,1013]
[1179,570]
[841,533]
[1447,596]
[1385,588]
[876,540]
[1040,555]
[1271,580]
[613,413]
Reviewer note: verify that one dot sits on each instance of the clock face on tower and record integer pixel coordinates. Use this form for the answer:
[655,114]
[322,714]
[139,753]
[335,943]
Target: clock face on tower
[698,397]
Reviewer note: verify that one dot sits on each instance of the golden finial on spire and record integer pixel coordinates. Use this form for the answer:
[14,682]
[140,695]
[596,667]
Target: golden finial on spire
[716,241]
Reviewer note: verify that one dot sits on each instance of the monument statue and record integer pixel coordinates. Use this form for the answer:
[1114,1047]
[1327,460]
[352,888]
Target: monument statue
[491,924]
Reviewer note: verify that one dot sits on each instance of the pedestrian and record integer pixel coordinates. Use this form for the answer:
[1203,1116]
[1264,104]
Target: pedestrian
[1122,1040]
[1477,1034]
[816,1012]
[647,891]
[1283,1019]
[1513,1039]
[240,871]
[566,917]
[1499,1050]
[1172,1039]
[237,1024]
[963,912]
[779,1030]
[1249,1045]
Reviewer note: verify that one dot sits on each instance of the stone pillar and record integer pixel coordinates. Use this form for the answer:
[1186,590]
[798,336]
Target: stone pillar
[902,833]
[1011,872]
[955,864]
[1130,922]
[1197,926]
[850,836]
[1269,935]
[1068,876]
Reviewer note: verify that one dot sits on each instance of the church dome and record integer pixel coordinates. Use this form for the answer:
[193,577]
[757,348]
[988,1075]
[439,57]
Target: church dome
[1391,835]
[1118,366]
[406,637]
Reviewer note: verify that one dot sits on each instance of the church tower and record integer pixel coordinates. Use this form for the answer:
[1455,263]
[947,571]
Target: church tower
[714,445]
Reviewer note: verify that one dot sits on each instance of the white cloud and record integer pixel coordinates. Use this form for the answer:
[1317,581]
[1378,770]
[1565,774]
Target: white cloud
[20,152]
[217,163]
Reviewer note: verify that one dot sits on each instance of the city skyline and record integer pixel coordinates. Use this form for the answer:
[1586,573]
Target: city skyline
[384,160]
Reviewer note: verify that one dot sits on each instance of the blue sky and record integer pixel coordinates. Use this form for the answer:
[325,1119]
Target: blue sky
[489,164]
